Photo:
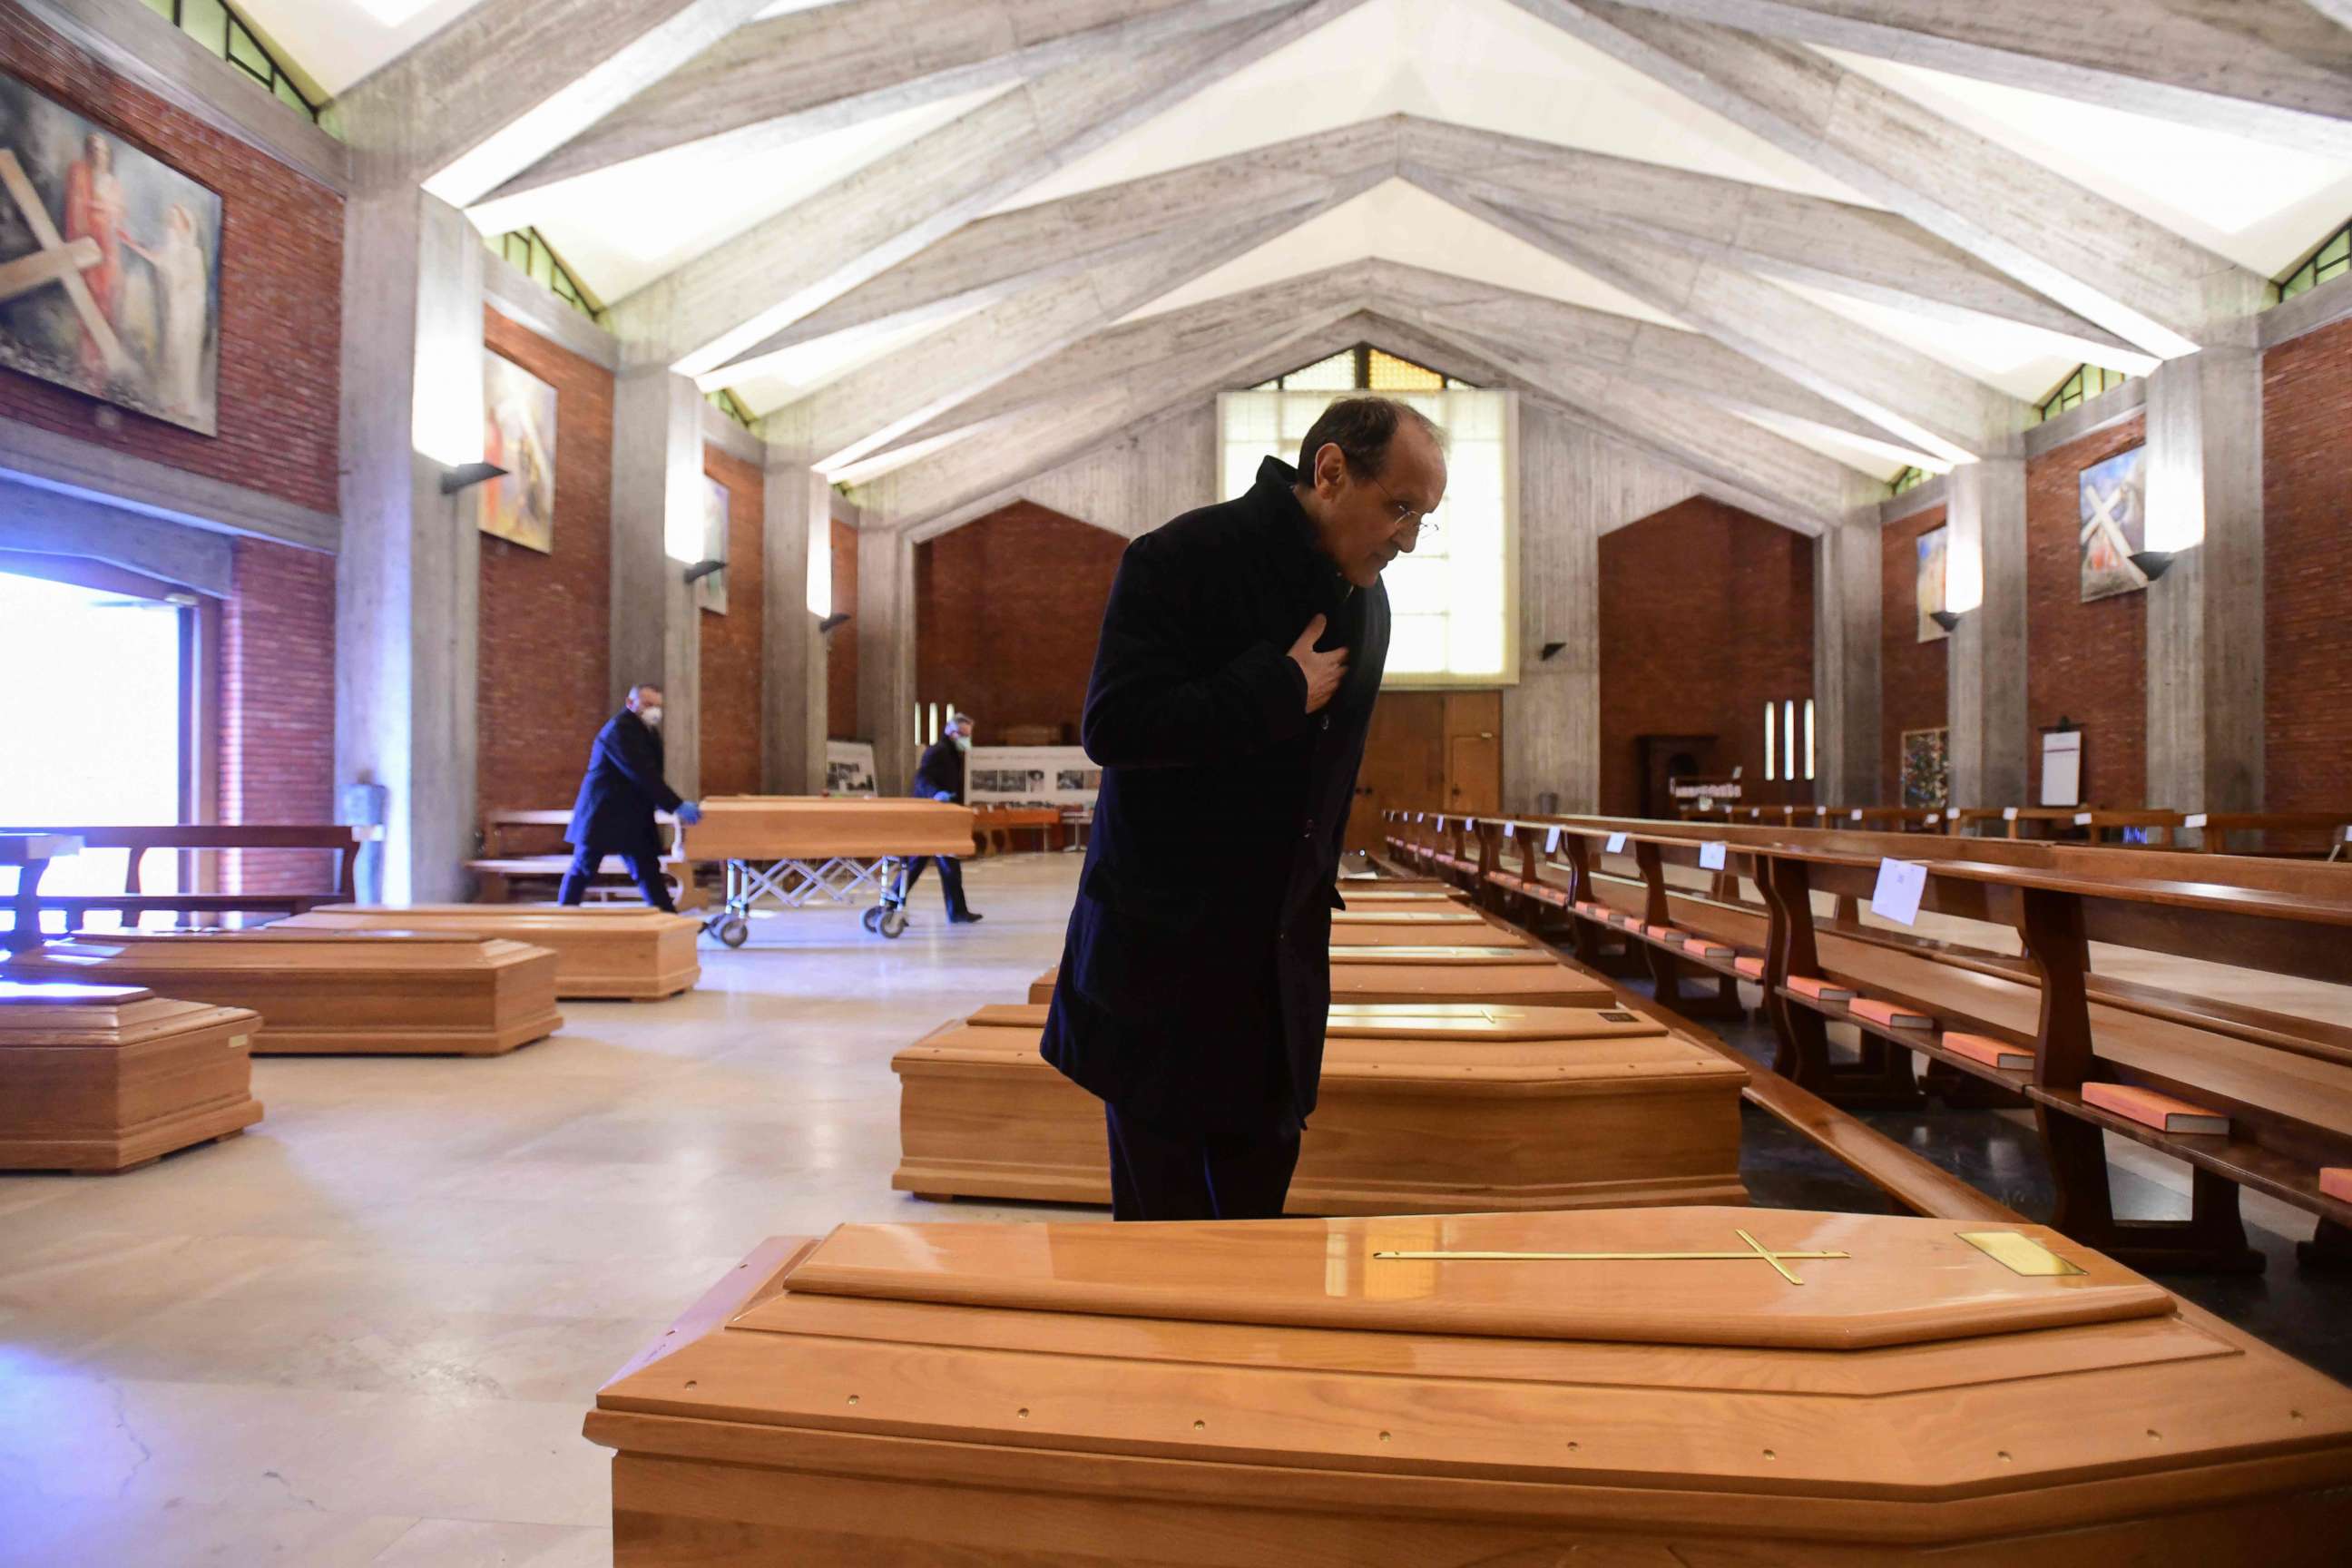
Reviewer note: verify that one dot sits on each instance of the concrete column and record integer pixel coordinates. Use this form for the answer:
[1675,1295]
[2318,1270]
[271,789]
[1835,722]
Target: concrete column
[2205,687]
[1846,621]
[885,653]
[407,581]
[658,505]
[792,724]
[1986,692]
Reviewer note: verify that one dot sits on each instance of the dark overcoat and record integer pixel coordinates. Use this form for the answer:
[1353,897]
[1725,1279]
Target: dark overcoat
[623,789]
[1195,979]
[940,771]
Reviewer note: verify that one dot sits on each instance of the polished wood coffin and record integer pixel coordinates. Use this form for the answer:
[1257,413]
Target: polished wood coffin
[605,951]
[1524,976]
[1423,927]
[336,992]
[104,1078]
[1430,1108]
[769,827]
[1239,1395]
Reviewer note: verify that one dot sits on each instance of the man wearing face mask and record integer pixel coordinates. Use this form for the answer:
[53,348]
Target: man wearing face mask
[940,776]
[1241,653]
[623,789]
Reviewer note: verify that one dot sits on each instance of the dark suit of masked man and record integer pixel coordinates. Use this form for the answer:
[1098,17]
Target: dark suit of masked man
[1241,653]
[619,794]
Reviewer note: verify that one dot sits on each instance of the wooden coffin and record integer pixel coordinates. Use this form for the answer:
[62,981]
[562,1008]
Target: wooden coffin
[336,992]
[607,952]
[770,827]
[1366,899]
[1431,1107]
[103,1078]
[1522,977]
[1423,927]
[1240,1396]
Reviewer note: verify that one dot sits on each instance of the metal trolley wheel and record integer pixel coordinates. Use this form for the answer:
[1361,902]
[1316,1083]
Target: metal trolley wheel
[872,919]
[734,931]
[894,924]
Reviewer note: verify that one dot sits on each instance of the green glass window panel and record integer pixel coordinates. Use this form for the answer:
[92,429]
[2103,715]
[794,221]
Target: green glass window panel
[289,95]
[246,50]
[542,264]
[208,22]
[161,8]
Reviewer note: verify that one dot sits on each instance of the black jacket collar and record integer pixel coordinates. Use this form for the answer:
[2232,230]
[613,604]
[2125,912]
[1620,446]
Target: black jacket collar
[1276,492]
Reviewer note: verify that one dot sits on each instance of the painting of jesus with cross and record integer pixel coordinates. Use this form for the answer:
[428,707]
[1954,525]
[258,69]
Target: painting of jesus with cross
[110,277]
[2114,524]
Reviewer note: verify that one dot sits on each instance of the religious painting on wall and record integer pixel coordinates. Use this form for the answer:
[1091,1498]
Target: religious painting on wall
[519,436]
[1931,587]
[2114,524]
[1925,761]
[717,508]
[109,275]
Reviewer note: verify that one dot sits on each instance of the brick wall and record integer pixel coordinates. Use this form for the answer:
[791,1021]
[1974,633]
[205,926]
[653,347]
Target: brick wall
[841,642]
[541,680]
[277,696]
[1007,611]
[280,265]
[731,642]
[2306,594]
[1706,611]
[2087,663]
[1912,674]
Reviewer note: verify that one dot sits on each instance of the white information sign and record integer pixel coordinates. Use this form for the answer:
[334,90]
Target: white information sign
[1616,844]
[1551,842]
[1031,775]
[1710,857]
[2062,767]
[1901,883]
[849,768]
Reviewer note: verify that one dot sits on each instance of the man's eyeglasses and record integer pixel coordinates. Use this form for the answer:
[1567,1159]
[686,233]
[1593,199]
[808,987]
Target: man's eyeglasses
[1403,514]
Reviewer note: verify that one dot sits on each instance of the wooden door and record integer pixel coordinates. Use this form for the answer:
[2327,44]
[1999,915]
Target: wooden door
[1405,762]
[1474,751]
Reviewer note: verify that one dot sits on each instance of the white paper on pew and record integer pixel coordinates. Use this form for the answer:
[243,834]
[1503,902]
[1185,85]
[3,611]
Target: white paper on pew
[1857,813]
[2194,819]
[1934,817]
[1551,842]
[2009,813]
[2082,819]
[1510,830]
[1710,857]
[1441,825]
[1616,844]
[1900,885]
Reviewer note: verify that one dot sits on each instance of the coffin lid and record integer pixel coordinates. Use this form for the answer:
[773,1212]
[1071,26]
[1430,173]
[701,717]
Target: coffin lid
[1904,1280]
[1409,917]
[1421,1021]
[67,993]
[1466,955]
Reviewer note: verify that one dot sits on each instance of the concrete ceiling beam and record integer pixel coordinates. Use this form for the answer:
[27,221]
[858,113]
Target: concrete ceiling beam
[2106,263]
[789,77]
[511,80]
[705,313]
[2272,70]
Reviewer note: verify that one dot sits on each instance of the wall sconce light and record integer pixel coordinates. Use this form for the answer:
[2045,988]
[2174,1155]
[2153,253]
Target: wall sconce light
[2154,564]
[838,618]
[1550,648]
[466,476]
[1948,619]
[701,569]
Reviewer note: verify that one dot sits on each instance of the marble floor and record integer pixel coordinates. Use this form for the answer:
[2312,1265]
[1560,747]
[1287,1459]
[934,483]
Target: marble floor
[367,1332]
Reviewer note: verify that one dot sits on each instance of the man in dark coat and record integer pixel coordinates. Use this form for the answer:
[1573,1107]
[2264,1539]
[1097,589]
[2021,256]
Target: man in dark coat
[623,789]
[1241,653]
[940,776]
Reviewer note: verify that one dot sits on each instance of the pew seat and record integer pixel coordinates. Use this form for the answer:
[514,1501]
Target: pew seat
[330,993]
[524,852]
[110,1077]
[1425,1109]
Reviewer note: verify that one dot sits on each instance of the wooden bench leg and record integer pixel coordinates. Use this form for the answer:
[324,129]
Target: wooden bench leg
[2329,1250]
[2211,1240]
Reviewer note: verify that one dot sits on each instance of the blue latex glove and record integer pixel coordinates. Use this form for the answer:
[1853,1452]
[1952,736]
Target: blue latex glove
[689,813]
[944,794]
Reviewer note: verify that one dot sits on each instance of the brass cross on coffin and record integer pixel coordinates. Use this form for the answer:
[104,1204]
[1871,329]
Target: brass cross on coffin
[1755,1249]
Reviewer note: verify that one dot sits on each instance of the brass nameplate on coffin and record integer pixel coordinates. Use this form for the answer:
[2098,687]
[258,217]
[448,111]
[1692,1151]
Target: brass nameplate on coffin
[2018,1254]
